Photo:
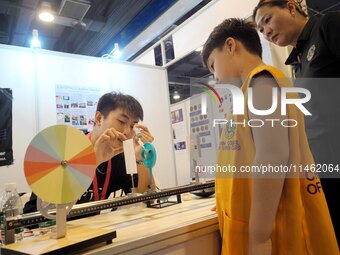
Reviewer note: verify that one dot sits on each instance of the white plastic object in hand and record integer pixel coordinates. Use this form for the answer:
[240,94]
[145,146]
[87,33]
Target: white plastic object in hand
[137,132]
[130,157]
[139,136]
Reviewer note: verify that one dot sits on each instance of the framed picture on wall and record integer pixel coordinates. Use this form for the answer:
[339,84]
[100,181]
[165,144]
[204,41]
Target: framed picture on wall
[76,106]
[6,150]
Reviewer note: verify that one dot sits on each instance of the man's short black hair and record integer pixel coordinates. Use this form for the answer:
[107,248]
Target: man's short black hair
[239,29]
[115,100]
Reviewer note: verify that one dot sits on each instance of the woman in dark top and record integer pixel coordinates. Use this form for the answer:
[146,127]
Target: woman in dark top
[315,59]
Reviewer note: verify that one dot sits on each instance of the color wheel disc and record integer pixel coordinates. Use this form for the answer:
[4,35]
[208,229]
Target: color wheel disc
[60,164]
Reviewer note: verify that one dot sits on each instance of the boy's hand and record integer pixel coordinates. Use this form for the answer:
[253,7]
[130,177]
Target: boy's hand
[146,137]
[108,145]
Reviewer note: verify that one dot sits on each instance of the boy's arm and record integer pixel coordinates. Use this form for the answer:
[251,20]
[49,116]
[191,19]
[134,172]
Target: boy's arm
[144,179]
[272,147]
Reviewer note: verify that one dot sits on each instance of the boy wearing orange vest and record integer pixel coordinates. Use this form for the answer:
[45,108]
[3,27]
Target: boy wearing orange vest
[264,213]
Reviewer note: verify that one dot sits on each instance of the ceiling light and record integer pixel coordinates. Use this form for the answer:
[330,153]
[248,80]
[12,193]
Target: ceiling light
[35,43]
[46,16]
[114,54]
[117,53]
[45,12]
[176,95]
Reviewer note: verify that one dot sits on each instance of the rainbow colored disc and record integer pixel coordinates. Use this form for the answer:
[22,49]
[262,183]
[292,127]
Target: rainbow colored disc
[60,164]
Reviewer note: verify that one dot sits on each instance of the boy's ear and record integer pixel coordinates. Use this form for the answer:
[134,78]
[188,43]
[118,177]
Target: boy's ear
[98,118]
[230,45]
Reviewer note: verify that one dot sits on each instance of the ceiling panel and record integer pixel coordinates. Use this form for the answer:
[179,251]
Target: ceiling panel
[107,22]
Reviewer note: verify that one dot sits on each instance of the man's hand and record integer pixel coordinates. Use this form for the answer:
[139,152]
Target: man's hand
[108,145]
[146,137]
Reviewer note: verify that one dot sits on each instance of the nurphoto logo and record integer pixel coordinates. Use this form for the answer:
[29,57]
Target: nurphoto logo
[238,105]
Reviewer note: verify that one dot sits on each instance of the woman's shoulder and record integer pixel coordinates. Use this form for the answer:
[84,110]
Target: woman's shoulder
[330,19]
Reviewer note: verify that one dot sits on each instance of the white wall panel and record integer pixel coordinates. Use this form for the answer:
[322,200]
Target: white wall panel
[33,76]
[195,32]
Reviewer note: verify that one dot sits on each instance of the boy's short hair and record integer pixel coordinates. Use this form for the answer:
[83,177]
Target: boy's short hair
[115,100]
[239,29]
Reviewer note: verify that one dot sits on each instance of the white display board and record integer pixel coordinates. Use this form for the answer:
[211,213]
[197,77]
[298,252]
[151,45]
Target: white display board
[33,77]
[202,134]
[180,135]
[195,31]
[202,138]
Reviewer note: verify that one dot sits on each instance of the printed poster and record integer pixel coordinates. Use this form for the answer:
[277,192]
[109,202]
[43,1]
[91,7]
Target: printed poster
[76,106]
[6,150]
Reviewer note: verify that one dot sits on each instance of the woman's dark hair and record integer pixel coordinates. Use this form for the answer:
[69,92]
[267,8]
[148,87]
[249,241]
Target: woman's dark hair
[115,100]
[281,4]
[239,29]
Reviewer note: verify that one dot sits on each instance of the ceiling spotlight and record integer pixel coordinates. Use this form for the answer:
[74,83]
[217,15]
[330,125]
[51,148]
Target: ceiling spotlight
[79,24]
[35,43]
[117,53]
[45,12]
[176,95]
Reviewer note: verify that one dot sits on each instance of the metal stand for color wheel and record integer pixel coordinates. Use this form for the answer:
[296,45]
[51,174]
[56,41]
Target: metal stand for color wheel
[61,212]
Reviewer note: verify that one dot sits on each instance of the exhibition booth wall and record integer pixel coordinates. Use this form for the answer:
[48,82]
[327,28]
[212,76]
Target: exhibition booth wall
[39,78]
